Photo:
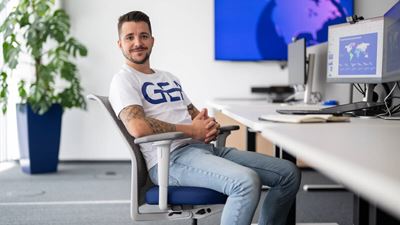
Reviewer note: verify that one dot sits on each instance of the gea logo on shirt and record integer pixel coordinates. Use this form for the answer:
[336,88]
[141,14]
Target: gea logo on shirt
[160,91]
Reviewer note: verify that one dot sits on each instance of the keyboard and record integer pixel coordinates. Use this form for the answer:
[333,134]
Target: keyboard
[335,110]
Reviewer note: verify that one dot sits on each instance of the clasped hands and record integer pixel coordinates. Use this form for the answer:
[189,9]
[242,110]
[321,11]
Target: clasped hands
[205,128]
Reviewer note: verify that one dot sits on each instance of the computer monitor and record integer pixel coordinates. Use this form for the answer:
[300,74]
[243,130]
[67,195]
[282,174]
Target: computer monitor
[341,92]
[391,66]
[355,52]
[367,51]
[301,67]
[297,62]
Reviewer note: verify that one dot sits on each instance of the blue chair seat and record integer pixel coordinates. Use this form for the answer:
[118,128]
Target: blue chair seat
[187,196]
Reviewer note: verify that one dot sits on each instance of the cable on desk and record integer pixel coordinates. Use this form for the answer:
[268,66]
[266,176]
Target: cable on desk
[359,89]
[393,109]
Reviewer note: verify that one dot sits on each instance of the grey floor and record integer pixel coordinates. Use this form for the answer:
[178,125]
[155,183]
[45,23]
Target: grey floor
[98,193]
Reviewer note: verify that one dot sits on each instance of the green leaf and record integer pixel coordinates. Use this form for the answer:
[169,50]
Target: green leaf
[42,8]
[24,20]
[9,31]
[4,85]
[68,71]
[24,5]
[83,50]
[10,54]
[59,25]
[7,48]
[21,90]
[4,108]
[73,47]
[3,92]
[46,75]
[8,23]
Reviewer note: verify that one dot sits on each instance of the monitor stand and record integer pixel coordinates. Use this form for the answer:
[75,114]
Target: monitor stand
[369,93]
[310,79]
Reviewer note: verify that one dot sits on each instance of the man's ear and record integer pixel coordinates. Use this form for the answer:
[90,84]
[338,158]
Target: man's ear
[119,43]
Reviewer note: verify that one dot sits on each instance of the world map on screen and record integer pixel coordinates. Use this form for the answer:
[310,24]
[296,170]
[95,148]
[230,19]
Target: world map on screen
[358,54]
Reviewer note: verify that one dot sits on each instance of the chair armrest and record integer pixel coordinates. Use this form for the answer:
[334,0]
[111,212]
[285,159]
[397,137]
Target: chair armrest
[159,137]
[225,131]
[162,142]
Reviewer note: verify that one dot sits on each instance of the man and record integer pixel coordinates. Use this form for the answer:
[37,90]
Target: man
[149,101]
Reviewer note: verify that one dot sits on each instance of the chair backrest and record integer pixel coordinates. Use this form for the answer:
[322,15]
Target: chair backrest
[142,179]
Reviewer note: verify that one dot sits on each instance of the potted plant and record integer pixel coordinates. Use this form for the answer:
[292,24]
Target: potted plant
[36,29]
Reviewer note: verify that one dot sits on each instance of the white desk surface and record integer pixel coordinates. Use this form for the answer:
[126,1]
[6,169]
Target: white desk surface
[248,111]
[363,154]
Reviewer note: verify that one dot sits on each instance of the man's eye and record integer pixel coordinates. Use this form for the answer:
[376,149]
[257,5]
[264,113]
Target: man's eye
[144,36]
[129,38]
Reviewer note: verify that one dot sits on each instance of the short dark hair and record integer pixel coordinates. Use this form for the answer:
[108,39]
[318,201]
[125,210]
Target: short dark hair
[135,16]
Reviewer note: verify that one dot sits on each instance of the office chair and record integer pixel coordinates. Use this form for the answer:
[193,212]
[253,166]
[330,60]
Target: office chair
[175,202]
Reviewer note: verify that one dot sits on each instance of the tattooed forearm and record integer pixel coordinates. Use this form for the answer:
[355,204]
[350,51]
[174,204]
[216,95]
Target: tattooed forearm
[131,116]
[158,126]
[192,111]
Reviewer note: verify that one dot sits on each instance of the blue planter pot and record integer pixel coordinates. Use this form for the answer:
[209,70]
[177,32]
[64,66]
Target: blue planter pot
[39,138]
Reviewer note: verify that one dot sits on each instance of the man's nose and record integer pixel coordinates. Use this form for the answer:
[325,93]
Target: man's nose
[137,42]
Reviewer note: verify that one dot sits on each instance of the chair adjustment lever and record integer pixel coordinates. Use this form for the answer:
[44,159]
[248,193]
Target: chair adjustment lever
[174,213]
[203,211]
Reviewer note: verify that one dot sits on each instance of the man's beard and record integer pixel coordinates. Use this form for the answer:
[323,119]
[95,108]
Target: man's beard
[128,57]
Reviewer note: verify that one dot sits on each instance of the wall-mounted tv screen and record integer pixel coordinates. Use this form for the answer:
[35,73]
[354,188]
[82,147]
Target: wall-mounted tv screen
[250,30]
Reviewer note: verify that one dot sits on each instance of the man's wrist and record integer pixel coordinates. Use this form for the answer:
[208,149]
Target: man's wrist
[188,130]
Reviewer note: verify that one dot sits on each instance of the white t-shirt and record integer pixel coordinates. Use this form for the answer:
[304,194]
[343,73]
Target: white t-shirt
[161,96]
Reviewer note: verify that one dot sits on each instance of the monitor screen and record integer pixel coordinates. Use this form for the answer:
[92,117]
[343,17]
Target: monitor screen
[391,67]
[355,52]
[297,62]
[261,30]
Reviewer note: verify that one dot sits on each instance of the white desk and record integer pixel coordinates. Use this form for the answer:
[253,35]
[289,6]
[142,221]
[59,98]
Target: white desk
[364,154]
[247,112]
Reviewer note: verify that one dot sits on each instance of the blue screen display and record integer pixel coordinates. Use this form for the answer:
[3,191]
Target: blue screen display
[358,54]
[393,39]
[248,30]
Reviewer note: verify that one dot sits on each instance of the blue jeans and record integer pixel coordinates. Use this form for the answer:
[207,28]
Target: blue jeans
[238,174]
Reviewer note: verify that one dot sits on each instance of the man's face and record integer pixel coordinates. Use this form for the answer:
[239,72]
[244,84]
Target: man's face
[136,42]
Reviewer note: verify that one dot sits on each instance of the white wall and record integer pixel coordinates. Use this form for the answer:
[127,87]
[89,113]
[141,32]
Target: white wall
[183,31]
[372,8]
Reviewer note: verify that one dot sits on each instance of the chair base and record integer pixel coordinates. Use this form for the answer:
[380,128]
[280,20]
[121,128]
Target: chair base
[153,213]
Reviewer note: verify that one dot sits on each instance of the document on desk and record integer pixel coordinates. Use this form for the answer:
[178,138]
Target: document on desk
[314,118]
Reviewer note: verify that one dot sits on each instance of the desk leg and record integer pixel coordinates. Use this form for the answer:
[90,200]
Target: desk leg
[251,140]
[278,151]
[281,153]
[288,156]
[360,211]
[366,213]
[379,217]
